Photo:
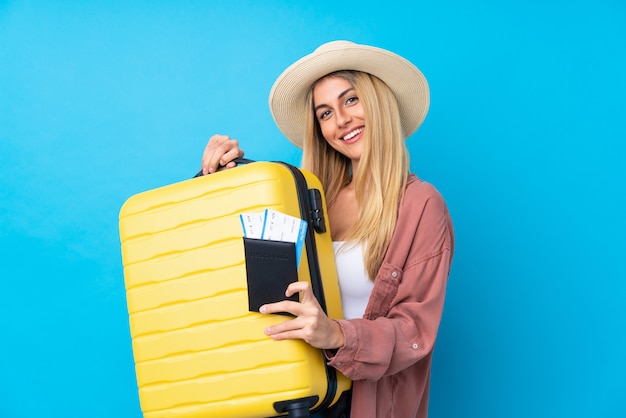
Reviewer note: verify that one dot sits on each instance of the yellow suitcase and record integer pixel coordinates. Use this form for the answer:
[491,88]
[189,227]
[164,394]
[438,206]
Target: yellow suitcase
[199,351]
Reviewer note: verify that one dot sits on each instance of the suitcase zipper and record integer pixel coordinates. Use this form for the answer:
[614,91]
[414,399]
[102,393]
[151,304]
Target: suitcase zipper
[312,212]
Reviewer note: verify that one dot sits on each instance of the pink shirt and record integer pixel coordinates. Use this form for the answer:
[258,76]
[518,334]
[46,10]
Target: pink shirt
[388,353]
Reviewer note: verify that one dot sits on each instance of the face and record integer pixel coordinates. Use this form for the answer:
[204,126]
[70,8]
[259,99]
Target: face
[340,115]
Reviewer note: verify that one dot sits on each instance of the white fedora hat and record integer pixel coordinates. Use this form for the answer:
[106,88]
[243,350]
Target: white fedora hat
[288,94]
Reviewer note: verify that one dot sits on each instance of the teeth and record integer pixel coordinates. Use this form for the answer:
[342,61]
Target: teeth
[353,134]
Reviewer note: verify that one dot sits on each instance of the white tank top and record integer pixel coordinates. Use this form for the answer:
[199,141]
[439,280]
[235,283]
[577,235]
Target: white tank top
[354,283]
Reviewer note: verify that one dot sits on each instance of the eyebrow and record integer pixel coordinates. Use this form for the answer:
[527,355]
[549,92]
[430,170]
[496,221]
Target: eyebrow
[342,94]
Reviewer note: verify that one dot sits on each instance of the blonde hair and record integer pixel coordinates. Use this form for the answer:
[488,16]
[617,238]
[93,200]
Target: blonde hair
[381,177]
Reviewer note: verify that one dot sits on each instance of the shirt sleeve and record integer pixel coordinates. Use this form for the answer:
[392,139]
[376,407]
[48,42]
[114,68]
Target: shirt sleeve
[401,323]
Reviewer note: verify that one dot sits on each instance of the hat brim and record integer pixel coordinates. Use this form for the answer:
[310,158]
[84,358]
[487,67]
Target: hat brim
[288,94]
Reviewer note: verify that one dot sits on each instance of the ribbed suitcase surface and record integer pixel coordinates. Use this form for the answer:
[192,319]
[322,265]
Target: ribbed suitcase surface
[198,351]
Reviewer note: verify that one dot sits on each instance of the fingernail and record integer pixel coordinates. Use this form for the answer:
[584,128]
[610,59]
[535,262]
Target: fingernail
[262,309]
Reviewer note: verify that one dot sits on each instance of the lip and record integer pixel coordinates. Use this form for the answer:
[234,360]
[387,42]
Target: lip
[355,137]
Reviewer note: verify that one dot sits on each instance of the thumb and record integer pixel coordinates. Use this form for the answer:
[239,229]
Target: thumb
[304,288]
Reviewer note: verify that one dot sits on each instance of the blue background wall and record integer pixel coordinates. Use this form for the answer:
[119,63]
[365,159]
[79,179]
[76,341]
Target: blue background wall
[100,100]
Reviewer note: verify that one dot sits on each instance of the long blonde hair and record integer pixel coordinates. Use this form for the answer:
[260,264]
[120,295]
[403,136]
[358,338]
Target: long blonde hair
[381,177]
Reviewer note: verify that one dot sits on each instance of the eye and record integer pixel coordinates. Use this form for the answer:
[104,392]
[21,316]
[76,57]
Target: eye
[352,100]
[323,115]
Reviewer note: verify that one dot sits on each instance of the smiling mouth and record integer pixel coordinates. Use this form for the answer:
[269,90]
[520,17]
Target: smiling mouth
[353,134]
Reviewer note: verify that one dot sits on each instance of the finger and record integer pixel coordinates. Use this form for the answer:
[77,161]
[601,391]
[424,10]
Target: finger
[285,326]
[292,329]
[226,151]
[216,147]
[302,329]
[208,164]
[305,290]
[221,151]
[294,308]
[235,152]
[231,164]
[287,335]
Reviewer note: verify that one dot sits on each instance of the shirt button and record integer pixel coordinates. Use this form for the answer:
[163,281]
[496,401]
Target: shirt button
[394,274]
[416,346]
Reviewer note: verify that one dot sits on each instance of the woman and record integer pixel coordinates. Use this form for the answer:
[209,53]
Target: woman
[350,108]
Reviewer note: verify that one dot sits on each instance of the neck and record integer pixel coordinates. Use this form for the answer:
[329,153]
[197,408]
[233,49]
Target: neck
[355,166]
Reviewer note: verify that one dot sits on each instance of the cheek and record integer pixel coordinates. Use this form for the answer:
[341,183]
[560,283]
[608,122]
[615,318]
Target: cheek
[327,131]
[360,112]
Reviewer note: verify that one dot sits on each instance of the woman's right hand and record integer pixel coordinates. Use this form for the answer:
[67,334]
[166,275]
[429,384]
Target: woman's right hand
[221,150]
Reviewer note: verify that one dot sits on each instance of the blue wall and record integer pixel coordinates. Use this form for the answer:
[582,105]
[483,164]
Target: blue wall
[525,139]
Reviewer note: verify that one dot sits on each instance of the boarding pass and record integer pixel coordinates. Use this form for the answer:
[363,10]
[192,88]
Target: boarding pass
[275,226]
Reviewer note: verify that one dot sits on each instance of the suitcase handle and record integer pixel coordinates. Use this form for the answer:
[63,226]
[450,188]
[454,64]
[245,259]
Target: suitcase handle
[237,161]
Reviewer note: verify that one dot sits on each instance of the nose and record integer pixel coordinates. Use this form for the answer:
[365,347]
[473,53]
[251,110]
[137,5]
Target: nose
[343,117]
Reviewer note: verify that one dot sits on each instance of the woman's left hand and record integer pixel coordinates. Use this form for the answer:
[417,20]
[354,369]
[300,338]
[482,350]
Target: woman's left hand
[310,323]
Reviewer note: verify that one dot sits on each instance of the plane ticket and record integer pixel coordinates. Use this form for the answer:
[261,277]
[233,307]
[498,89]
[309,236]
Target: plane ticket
[275,226]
